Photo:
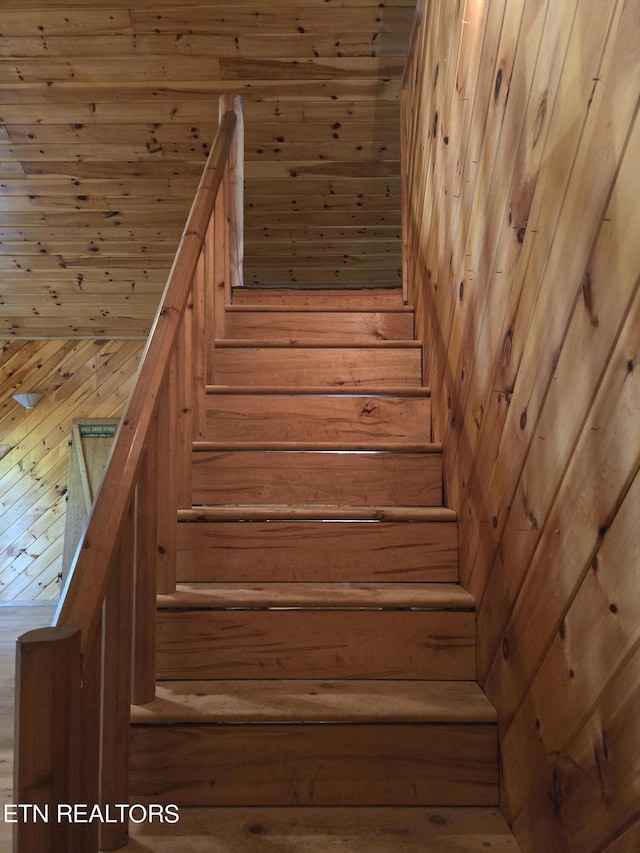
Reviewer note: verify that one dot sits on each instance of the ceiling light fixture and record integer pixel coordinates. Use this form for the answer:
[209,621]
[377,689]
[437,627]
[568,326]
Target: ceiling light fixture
[29,401]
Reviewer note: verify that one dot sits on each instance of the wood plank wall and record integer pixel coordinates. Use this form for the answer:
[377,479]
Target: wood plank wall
[77,379]
[523,258]
[107,111]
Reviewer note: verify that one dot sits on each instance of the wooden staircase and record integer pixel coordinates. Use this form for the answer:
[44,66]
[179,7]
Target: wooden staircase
[318,649]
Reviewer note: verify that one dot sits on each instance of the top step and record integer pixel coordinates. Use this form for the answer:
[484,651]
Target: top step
[369,299]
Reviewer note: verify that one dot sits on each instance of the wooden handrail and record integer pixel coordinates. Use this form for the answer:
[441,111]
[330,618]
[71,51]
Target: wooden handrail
[103,635]
[84,592]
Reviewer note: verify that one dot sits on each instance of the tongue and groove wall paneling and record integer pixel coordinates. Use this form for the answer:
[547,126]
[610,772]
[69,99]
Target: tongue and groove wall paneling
[553,250]
[522,34]
[596,321]
[77,379]
[523,262]
[107,115]
[602,617]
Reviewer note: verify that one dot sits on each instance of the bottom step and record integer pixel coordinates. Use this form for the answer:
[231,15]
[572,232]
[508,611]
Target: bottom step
[315,743]
[328,830]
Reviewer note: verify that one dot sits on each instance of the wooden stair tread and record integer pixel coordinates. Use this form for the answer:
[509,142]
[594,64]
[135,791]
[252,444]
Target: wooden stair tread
[318,343]
[265,512]
[315,701]
[317,829]
[310,595]
[317,309]
[367,446]
[326,287]
[321,390]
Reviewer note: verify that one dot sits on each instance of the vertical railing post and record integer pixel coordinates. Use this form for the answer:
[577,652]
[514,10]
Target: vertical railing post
[202,335]
[225,190]
[404,153]
[217,297]
[91,731]
[144,604]
[116,689]
[235,193]
[190,397]
[167,481]
[48,751]
[210,299]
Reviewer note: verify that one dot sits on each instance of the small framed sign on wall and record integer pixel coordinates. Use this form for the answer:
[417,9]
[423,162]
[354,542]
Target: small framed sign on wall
[89,447]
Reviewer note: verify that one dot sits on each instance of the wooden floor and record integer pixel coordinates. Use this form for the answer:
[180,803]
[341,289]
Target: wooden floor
[281,830]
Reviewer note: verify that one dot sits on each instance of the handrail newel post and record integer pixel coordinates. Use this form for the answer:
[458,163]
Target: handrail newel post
[48,754]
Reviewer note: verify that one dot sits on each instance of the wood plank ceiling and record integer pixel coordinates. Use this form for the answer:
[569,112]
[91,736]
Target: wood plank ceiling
[107,110]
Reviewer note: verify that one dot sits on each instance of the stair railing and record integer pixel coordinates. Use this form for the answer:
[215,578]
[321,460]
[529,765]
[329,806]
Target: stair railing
[75,681]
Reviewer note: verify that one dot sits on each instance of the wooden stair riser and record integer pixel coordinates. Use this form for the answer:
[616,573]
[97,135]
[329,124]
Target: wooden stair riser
[312,478]
[295,417]
[297,643]
[311,764]
[316,550]
[298,326]
[382,367]
[356,299]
